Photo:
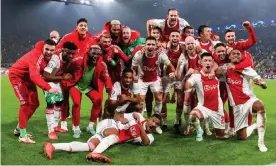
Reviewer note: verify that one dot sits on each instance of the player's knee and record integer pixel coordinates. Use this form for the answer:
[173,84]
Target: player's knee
[98,101]
[197,113]
[159,98]
[34,104]
[242,137]
[241,134]
[259,107]
[76,105]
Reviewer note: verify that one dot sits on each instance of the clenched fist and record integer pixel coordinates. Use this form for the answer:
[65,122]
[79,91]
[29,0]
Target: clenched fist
[67,76]
[246,24]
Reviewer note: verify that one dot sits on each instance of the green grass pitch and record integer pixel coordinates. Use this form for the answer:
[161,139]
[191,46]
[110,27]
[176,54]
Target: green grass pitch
[166,149]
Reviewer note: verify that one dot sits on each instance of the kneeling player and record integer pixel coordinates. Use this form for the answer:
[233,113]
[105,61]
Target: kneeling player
[243,99]
[124,127]
[120,99]
[209,101]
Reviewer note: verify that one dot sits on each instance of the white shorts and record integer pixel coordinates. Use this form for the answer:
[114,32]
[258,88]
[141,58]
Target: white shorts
[241,113]
[217,118]
[102,126]
[155,86]
[168,84]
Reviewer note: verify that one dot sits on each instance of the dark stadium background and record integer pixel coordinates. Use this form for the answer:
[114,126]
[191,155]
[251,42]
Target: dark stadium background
[26,21]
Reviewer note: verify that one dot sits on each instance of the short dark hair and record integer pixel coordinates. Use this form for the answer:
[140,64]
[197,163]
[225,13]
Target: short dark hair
[158,116]
[219,45]
[175,31]
[127,70]
[70,45]
[187,27]
[150,38]
[81,20]
[205,54]
[170,9]
[50,42]
[201,29]
[228,30]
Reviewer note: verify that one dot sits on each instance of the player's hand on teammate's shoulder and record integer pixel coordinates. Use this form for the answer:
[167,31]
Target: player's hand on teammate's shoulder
[198,49]
[231,66]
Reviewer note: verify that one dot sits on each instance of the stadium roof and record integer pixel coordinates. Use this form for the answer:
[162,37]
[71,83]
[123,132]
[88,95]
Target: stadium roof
[84,2]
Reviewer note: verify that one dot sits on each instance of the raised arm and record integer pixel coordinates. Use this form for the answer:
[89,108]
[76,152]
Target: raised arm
[252,39]
[149,24]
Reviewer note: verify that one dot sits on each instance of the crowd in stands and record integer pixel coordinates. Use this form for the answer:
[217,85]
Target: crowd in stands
[264,52]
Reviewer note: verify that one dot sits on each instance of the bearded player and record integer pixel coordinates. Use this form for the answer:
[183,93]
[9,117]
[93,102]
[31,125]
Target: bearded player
[54,73]
[187,64]
[114,57]
[209,101]
[114,29]
[124,127]
[174,52]
[24,76]
[172,22]
[148,60]
[125,96]
[221,58]
[243,100]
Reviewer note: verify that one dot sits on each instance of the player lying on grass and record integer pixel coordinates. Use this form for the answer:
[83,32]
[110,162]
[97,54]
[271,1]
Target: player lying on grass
[209,101]
[242,98]
[125,96]
[123,128]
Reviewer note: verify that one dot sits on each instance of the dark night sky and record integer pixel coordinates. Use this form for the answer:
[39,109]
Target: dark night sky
[24,22]
[38,17]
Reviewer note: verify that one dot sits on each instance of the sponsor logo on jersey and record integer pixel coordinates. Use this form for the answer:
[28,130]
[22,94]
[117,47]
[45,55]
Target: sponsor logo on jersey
[235,82]
[146,68]
[210,87]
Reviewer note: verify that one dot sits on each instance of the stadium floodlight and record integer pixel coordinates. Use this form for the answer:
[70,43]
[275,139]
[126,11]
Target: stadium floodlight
[82,1]
[87,2]
[106,1]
